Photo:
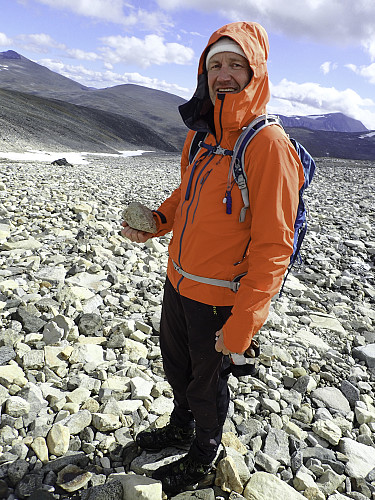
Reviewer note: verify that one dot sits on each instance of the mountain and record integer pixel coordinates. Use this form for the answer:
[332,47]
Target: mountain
[19,73]
[346,145]
[154,109]
[33,122]
[40,108]
[334,122]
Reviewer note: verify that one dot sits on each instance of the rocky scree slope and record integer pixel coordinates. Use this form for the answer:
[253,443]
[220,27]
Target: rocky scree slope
[80,366]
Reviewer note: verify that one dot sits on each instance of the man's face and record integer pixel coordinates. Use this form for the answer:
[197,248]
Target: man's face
[228,73]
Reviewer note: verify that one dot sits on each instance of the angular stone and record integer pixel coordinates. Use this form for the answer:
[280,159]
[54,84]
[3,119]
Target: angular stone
[16,406]
[277,446]
[58,440]
[330,481]
[227,477]
[87,353]
[141,388]
[263,486]
[266,462]
[40,449]
[105,422]
[311,340]
[332,398]
[6,354]
[53,275]
[30,322]
[12,374]
[327,430]
[365,353]
[351,392]
[113,490]
[327,323]
[361,458]
[230,440]
[33,360]
[135,350]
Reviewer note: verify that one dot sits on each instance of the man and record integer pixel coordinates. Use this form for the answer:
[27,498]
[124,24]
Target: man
[201,321]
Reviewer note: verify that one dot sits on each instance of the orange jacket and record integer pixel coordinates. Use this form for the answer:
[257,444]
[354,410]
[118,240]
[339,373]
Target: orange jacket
[206,240]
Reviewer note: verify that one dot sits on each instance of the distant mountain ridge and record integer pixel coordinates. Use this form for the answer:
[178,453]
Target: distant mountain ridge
[334,122]
[153,113]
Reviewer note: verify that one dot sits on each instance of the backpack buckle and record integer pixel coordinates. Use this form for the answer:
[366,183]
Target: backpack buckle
[219,150]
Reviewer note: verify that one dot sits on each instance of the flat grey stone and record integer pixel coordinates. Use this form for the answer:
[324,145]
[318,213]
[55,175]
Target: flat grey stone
[139,217]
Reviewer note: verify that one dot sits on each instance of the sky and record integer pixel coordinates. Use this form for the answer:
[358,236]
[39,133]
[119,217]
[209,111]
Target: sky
[322,52]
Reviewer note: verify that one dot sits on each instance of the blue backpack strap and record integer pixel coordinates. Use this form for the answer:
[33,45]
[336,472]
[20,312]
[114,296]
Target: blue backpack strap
[195,145]
[300,224]
[237,165]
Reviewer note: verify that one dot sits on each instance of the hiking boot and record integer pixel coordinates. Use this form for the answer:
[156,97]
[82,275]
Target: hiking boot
[170,435]
[182,474]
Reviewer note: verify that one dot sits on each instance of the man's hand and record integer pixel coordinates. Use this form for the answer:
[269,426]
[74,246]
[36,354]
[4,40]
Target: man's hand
[134,234]
[220,346]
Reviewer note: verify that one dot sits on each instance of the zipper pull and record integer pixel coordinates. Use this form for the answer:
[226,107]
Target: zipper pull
[228,201]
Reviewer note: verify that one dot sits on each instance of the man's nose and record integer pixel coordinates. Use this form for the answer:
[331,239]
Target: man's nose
[223,73]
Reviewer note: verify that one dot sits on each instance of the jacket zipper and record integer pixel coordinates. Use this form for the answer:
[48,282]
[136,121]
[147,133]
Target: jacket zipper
[221,97]
[200,190]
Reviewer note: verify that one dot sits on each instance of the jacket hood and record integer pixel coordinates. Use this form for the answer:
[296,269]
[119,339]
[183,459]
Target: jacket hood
[237,110]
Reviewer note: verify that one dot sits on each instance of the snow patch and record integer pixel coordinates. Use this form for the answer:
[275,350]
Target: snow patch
[71,157]
[371,134]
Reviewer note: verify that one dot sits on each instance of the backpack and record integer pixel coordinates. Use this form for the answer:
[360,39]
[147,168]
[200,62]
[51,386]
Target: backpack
[238,172]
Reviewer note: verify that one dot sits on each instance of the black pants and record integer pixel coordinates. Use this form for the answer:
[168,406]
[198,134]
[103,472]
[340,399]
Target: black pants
[194,368]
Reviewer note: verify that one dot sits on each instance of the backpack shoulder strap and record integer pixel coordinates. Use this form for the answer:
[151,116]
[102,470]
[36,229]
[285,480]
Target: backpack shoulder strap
[237,164]
[195,145]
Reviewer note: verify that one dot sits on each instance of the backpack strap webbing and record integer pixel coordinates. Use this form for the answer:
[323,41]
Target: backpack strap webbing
[237,164]
[195,145]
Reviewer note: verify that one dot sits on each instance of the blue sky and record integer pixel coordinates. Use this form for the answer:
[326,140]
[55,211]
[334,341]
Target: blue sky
[322,52]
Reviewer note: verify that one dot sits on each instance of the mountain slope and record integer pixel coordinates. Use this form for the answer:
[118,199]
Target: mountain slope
[334,122]
[19,73]
[350,146]
[28,121]
[78,117]
[154,109]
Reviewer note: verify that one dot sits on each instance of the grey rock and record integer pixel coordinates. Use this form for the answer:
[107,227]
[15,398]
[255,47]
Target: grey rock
[109,491]
[6,354]
[366,354]
[351,392]
[333,399]
[41,494]
[17,470]
[28,485]
[266,462]
[89,324]
[319,453]
[140,217]
[30,322]
[277,446]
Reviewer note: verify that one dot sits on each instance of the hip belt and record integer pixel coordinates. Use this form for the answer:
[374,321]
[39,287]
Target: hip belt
[232,285]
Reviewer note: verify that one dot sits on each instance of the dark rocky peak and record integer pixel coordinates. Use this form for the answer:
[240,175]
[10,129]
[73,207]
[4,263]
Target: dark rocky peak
[10,54]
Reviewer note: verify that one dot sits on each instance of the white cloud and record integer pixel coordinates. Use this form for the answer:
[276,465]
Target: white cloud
[327,67]
[336,21]
[82,55]
[309,98]
[115,11]
[108,78]
[144,52]
[367,72]
[37,42]
[5,41]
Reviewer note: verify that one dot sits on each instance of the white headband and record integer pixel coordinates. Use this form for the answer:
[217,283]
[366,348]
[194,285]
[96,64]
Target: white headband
[224,45]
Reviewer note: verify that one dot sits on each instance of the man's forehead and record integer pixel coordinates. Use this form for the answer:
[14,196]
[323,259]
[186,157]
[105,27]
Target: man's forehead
[227,55]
